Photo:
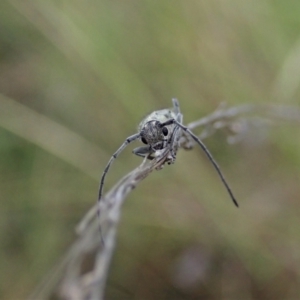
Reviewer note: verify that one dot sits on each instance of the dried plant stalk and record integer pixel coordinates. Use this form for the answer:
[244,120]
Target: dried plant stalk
[68,280]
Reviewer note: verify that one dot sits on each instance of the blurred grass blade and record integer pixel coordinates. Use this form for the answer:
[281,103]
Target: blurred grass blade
[50,136]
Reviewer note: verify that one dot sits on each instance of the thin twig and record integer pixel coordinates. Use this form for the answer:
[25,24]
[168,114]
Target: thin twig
[69,282]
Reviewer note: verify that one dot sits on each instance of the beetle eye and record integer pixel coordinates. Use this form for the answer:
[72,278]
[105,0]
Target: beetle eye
[144,140]
[165,131]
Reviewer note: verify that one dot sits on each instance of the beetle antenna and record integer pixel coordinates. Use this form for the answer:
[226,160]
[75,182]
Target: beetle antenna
[114,156]
[209,155]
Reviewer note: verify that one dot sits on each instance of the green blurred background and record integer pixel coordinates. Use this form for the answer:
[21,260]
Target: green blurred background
[76,77]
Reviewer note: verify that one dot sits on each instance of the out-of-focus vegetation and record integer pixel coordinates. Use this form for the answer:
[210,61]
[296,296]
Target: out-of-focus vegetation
[76,77]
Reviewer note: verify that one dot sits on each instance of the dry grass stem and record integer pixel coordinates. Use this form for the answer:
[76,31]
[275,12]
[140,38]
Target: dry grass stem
[69,280]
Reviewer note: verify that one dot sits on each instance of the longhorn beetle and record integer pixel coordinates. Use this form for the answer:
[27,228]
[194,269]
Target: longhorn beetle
[163,130]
